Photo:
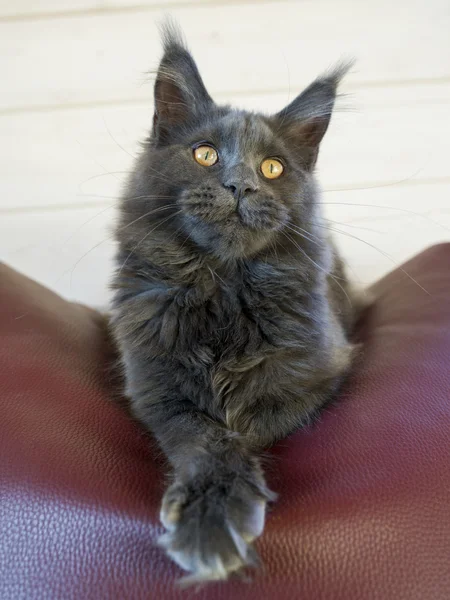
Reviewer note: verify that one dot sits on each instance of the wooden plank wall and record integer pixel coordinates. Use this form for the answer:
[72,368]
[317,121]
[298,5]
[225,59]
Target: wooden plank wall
[75,99]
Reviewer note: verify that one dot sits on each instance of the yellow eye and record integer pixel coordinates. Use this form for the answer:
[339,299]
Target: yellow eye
[206,155]
[271,168]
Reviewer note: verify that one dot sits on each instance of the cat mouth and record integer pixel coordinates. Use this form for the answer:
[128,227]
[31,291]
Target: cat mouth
[227,216]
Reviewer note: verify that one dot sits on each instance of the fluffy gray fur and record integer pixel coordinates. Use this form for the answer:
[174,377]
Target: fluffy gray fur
[231,308]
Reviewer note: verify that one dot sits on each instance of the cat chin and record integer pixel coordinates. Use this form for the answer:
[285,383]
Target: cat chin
[229,239]
[233,243]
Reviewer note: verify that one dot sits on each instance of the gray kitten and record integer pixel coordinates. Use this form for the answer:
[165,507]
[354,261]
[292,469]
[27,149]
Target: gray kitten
[231,308]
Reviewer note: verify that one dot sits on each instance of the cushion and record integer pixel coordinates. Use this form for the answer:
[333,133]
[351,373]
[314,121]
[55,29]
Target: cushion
[364,495]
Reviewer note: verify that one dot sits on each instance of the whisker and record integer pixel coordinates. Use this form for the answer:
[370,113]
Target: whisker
[147,214]
[273,247]
[85,223]
[97,162]
[335,277]
[381,252]
[384,207]
[189,236]
[159,174]
[327,220]
[314,239]
[214,275]
[372,186]
[145,237]
[318,266]
[119,197]
[111,173]
[72,269]
[114,139]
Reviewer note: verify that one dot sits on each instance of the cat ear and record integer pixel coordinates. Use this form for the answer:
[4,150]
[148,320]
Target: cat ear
[305,120]
[179,90]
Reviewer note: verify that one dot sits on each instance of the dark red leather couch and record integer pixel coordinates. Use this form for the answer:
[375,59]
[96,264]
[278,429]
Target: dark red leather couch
[364,508]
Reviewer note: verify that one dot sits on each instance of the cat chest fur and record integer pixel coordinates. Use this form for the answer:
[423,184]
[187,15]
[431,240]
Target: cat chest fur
[256,316]
[243,342]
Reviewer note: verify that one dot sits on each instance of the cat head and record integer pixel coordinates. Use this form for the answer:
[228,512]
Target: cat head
[225,180]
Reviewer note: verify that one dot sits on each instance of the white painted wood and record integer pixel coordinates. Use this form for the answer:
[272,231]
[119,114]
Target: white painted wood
[71,250]
[63,157]
[72,70]
[30,9]
[250,47]
[392,223]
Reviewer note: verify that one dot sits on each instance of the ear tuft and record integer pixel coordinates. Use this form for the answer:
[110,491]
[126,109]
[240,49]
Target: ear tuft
[179,92]
[171,35]
[305,120]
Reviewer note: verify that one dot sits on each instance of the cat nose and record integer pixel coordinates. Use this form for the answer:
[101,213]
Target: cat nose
[239,190]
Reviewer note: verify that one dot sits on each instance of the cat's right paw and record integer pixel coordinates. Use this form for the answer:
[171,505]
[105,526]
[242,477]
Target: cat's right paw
[212,524]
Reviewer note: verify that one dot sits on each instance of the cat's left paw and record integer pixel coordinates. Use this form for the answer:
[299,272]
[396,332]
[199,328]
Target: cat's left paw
[211,526]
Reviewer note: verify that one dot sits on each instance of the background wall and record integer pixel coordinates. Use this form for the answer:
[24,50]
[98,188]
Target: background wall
[75,99]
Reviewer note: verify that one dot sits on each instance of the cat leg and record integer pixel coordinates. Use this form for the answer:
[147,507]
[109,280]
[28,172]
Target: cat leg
[215,508]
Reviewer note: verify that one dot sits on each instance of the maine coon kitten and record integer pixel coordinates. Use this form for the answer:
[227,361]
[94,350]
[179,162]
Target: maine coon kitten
[231,308]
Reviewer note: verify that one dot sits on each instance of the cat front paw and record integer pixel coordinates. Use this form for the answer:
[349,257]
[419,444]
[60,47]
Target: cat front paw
[211,524]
